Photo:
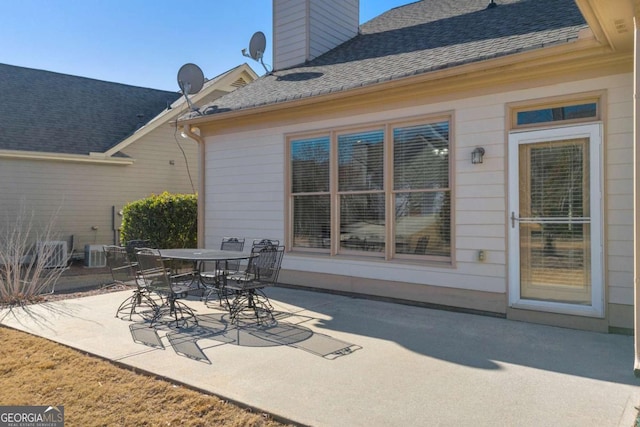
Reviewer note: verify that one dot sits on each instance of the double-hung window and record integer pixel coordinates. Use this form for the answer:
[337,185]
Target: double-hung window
[381,192]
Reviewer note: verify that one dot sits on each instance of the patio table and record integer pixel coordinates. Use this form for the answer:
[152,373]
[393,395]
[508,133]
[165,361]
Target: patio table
[201,255]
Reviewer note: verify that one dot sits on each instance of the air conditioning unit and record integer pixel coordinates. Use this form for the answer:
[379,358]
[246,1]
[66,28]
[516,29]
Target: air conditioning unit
[94,256]
[54,252]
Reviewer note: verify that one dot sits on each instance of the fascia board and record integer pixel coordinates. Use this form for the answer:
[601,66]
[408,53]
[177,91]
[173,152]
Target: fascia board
[167,116]
[96,158]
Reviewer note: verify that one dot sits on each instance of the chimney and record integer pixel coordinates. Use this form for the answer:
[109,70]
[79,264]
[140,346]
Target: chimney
[305,29]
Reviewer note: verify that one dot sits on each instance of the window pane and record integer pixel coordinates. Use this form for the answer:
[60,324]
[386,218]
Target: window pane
[569,112]
[421,157]
[310,165]
[362,225]
[360,159]
[311,221]
[423,223]
[555,265]
[557,180]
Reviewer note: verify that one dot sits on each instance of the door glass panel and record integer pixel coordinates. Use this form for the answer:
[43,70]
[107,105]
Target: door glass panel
[555,226]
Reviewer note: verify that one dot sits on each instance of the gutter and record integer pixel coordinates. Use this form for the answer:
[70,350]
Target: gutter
[98,158]
[189,132]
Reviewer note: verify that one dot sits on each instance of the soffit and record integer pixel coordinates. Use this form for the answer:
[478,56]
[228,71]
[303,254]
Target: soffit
[611,20]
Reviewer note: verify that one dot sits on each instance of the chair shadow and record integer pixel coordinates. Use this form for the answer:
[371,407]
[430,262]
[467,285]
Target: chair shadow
[215,329]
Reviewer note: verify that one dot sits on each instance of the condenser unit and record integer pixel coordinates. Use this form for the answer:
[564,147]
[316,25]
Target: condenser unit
[53,252]
[94,256]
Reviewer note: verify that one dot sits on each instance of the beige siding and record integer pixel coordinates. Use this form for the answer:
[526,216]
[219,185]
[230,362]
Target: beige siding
[85,193]
[245,191]
[332,22]
[289,33]
[245,188]
[304,30]
[619,191]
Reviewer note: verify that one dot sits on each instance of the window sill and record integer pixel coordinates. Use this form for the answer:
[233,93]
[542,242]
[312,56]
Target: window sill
[448,264]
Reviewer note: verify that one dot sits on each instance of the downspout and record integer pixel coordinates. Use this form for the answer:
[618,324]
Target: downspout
[188,131]
[636,190]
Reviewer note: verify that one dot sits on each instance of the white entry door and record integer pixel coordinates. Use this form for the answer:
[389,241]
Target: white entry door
[555,220]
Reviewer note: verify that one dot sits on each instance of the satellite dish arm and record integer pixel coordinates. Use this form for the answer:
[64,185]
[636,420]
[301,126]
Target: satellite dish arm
[266,70]
[186,87]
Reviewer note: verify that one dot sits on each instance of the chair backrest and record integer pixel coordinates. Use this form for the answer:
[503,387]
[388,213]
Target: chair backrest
[266,265]
[153,271]
[260,243]
[122,270]
[133,246]
[232,244]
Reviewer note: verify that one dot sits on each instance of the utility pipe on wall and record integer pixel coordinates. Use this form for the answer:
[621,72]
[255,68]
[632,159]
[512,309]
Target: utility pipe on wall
[189,132]
[636,189]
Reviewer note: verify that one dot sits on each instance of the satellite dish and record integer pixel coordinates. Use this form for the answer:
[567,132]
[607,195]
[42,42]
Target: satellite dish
[190,81]
[257,45]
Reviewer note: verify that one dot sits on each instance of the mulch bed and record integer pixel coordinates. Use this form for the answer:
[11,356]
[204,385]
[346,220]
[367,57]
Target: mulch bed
[70,295]
[85,293]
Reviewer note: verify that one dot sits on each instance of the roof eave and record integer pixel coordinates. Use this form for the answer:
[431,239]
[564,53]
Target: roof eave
[169,116]
[611,21]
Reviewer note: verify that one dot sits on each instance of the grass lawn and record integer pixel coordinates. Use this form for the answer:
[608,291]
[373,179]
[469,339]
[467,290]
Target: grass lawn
[95,392]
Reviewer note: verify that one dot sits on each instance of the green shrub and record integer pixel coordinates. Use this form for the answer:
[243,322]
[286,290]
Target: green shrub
[166,220]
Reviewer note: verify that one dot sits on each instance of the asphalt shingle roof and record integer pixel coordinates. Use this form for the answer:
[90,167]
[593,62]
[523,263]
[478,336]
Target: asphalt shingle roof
[420,37]
[57,113]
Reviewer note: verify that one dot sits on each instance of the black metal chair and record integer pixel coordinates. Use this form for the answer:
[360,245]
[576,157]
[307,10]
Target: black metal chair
[212,273]
[125,272]
[132,247]
[159,281]
[260,243]
[248,286]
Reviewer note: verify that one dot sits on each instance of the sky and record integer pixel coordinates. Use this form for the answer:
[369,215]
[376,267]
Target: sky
[140,42]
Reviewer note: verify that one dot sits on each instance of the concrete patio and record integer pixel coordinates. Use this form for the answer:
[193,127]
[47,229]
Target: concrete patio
[334,361]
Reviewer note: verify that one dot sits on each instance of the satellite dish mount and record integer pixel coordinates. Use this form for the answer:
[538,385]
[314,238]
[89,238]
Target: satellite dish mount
[190,81]
[257,46]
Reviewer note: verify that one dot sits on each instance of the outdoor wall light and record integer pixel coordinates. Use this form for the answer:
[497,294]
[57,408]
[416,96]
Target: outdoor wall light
[476,155]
